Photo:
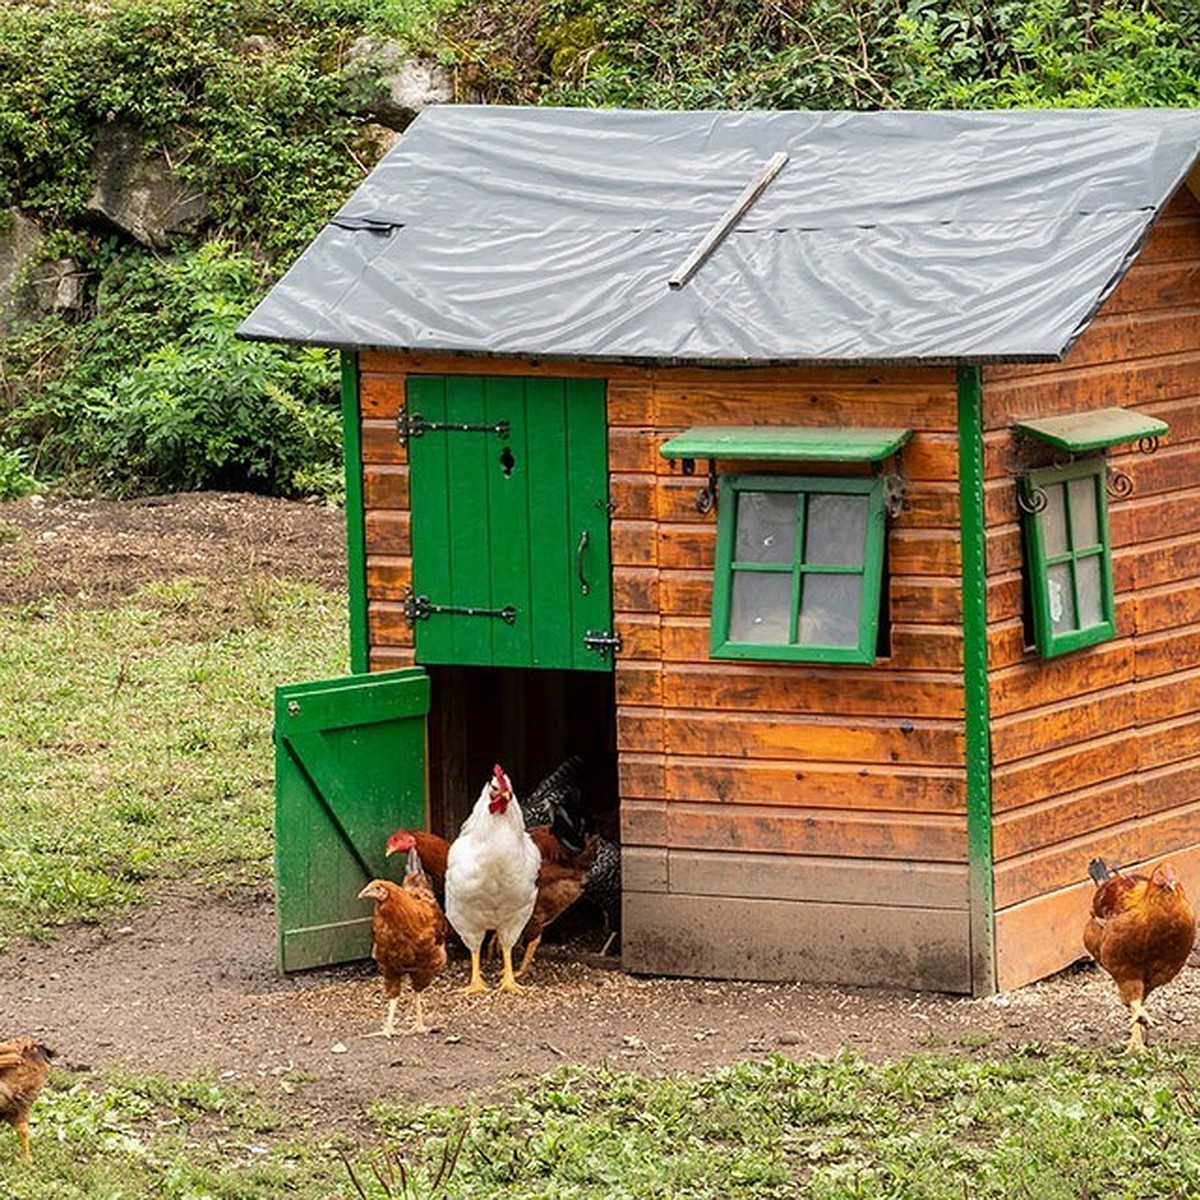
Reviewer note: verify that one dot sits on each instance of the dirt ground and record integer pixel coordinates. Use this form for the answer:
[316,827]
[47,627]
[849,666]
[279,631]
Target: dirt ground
[187,982]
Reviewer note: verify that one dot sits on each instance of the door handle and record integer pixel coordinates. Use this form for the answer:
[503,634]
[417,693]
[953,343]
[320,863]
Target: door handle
[584,586]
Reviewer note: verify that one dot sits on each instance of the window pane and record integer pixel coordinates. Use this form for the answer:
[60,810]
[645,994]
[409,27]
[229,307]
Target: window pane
[1062,604]
[829,609]
[1084,519]
[1054,520]
[766,527]
[836,530]
[760,607]
[1088,580]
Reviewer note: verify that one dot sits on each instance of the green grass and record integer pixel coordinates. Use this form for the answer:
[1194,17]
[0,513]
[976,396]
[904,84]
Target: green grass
[1058,1126]
[135,743]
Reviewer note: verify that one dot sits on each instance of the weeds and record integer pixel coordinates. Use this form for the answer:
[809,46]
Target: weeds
[397,1180]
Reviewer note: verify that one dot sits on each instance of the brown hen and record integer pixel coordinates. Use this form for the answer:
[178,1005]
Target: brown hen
[24,1068]
[408,933]
[1141,932]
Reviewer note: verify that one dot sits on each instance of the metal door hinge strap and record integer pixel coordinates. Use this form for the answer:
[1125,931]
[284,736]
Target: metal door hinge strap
[602,641]
[413,425]
[421,608]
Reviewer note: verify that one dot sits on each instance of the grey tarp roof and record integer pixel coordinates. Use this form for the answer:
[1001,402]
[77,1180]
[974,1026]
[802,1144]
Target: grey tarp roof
[887,236]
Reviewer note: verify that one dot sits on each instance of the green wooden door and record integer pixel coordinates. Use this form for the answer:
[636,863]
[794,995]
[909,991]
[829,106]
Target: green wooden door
[510,521]
[349,769]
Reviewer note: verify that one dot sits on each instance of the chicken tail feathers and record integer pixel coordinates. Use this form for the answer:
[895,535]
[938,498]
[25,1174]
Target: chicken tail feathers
[1100,871]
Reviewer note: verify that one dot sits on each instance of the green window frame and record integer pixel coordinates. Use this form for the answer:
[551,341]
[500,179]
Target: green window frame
[799,568]
[1069,556]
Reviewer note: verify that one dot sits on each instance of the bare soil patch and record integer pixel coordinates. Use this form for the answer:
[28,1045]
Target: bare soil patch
[188,982]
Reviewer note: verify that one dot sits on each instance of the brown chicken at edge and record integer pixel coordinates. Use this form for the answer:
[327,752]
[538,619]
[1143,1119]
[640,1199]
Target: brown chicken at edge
[24,1068]
[408,938]
[1141,931]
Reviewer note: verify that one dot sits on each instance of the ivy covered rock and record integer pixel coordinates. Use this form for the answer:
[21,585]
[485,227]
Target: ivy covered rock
[140,193]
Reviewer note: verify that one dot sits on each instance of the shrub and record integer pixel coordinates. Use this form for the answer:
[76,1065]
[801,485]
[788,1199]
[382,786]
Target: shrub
[157,394]
[15,479]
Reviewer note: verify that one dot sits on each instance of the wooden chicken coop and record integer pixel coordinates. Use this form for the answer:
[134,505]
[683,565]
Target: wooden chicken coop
[830,480]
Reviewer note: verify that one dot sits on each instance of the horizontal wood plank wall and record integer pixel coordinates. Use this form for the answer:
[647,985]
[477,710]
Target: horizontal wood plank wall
[782,820]
[779,820]
[1096,752]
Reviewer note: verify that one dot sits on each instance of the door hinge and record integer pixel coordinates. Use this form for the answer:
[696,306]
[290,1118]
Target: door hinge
[413,425]
[602,642]
[421,608]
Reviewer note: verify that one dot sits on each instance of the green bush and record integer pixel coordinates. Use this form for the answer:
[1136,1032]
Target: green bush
[15,479]
[250,101]
[157,394]
[150,389]
[827,54]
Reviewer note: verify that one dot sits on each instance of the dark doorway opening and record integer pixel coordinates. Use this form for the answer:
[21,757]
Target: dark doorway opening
[529,721]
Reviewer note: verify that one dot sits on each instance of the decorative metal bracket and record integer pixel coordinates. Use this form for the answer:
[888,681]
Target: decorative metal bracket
[421,608]
[413,425]
[1117,483]
[706,497]
[1026,459]
[1030,499]
[895,490]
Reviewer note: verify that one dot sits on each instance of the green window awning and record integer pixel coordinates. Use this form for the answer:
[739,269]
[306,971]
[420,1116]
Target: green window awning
[763,442]
[1078,432]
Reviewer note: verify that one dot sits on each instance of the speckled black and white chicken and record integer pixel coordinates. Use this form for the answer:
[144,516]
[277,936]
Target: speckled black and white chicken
[557,804]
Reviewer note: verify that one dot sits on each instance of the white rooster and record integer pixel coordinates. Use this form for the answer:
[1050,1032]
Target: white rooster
[491,877]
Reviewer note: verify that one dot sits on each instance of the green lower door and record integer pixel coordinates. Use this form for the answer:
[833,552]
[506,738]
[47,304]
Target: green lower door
[349,769]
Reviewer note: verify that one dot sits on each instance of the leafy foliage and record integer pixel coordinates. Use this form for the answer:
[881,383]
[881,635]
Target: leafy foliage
[255,107]
[15,479]
[251,105]
[156,393]
[828,54]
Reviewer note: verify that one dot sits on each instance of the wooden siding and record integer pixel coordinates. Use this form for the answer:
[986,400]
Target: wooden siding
[1094,753]
[788,820]
[778,769]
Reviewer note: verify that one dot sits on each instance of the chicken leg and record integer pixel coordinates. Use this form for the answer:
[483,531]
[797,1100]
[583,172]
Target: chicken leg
[476,984]
[22,1128]
[508,981]
[1139,1023]
[527,958]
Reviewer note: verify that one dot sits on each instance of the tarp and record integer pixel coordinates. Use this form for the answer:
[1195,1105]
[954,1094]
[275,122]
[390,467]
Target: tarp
[886,237]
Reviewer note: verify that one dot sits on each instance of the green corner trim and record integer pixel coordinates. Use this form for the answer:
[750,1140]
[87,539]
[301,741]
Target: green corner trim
[356,537]
[975,682]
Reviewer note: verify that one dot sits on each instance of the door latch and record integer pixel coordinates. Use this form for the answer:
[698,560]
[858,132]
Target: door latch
[602,641]
[413,425]
[421,608]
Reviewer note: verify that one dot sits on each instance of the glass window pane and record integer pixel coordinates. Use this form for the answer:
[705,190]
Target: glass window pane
[1084,518]
[835,530]
[829,610]
[760,607]
[1088,581]
[766,527]
[1062,603]
[1054,520]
